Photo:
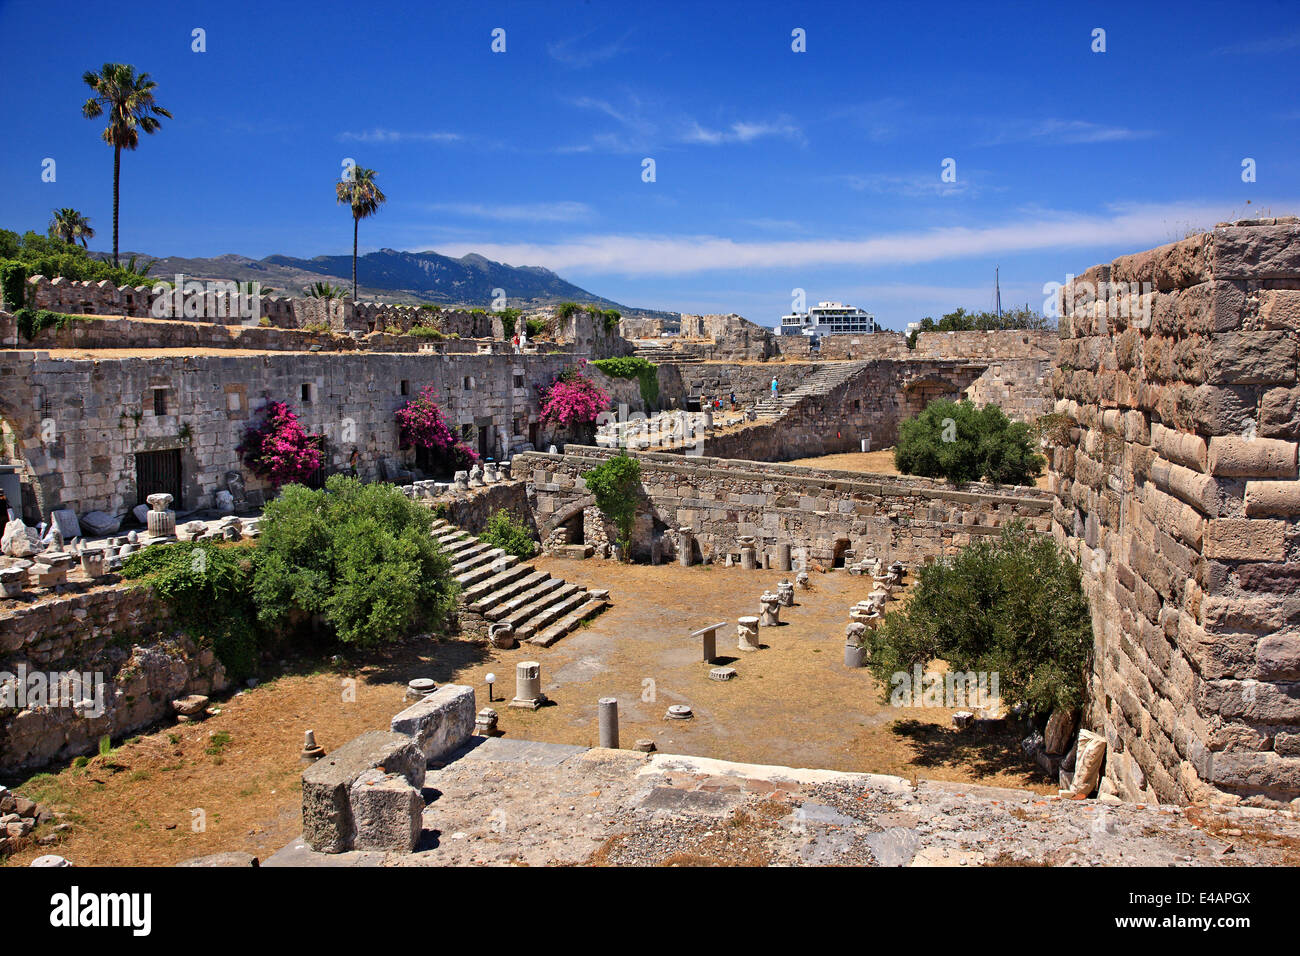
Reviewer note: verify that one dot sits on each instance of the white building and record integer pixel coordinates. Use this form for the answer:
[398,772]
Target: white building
[829,318]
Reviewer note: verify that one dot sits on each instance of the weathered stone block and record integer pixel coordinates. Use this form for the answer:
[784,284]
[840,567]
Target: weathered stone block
[1234,456]
[1251,358]
[1263,251]
[1280,309]
[1279,657]
[387,811]
[327,820]
[1280,498]
[1279,413]
[440,722]
[1246,539]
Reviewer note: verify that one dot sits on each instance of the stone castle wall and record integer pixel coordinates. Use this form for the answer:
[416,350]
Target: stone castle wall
[819,513]
[76,423]
[341,315]
[1179,494]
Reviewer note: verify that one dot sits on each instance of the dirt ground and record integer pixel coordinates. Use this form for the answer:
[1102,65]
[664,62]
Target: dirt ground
[793,703]
[879,462]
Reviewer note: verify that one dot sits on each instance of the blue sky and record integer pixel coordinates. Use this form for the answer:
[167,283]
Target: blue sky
[774,170]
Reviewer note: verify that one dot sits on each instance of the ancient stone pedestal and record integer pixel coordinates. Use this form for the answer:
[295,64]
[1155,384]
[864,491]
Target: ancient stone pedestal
[485,724]
[785,594]
[709,640]
[11,581]
[490,476]
[476,476]
[770,615]
[460,481]
[607,715]
[783,557]
[528,686]
[747,633]
[748,557]
[160,520]
[801,579]
[92,562]
[854,655]
[685,547]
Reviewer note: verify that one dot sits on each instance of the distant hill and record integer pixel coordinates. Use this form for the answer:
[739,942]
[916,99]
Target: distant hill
[392,276]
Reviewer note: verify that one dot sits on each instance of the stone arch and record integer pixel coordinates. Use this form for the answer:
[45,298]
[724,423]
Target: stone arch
[566,514]
[38,493]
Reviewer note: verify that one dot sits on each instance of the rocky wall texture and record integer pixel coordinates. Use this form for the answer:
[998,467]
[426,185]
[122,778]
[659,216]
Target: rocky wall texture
[819,513]
[1179,494]
[116,633]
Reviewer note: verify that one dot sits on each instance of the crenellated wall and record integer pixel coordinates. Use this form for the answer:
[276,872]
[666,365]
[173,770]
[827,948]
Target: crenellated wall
[1178,491]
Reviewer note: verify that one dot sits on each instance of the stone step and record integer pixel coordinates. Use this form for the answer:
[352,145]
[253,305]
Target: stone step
[458,550]
[487,569]
[448,537]
[505,591]
[486,556]
[485,587]
[567,623]
[466,549]
[530,626]
[523,606]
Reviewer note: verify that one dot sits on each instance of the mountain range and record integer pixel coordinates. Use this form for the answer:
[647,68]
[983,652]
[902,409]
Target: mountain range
[389,275]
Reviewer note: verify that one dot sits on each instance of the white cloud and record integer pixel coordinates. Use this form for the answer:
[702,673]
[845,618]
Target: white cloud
[519,212]
[1064,132]
[575,52]
[741,132]
[1132,227]
[379,135]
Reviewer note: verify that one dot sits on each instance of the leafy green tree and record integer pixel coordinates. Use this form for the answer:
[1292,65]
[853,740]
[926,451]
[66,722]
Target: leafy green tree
[359,191]
[1012,606]
[358,557]
[957,441]
[69,225]
[129,100]
[510,535]
[323,290]
[615,483]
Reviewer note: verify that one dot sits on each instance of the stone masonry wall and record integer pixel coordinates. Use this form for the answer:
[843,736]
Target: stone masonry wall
[117,632]
[1179,494]
[76,423]
[819,513]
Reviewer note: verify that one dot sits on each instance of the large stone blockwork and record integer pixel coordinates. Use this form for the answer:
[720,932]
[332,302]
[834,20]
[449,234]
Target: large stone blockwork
[1180,496]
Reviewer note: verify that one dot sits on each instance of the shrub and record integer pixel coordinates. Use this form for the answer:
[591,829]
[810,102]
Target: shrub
[13,285]
[645,372]
[958,442]
[512,536]
[358,556]
[573,399]
[614,483]
[1011,606]
[280,450]
[206,587]
[536,327]
[426,332]
[420,425]
[32,322]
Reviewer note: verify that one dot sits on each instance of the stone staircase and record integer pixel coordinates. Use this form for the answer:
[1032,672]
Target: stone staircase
[829,375]
[498,588]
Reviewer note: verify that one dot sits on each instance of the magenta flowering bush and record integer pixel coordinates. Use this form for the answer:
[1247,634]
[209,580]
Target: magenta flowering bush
[280,450]
[574,399]
[420,425]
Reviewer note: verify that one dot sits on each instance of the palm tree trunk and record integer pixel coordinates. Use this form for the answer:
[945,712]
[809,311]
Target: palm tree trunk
[117,178]
[355,223]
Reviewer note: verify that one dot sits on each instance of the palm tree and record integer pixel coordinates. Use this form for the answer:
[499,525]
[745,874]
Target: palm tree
[323,290]
[359,191]
[70,225]
[128,97]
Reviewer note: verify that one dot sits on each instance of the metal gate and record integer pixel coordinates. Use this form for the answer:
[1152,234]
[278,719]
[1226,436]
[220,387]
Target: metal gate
[158,472]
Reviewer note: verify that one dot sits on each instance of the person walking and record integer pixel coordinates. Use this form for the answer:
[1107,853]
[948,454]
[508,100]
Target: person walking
[773,386]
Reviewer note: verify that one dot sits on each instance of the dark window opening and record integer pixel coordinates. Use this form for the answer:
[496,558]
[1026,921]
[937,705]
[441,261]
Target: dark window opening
[160,401]
[405,387]
[306,393]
